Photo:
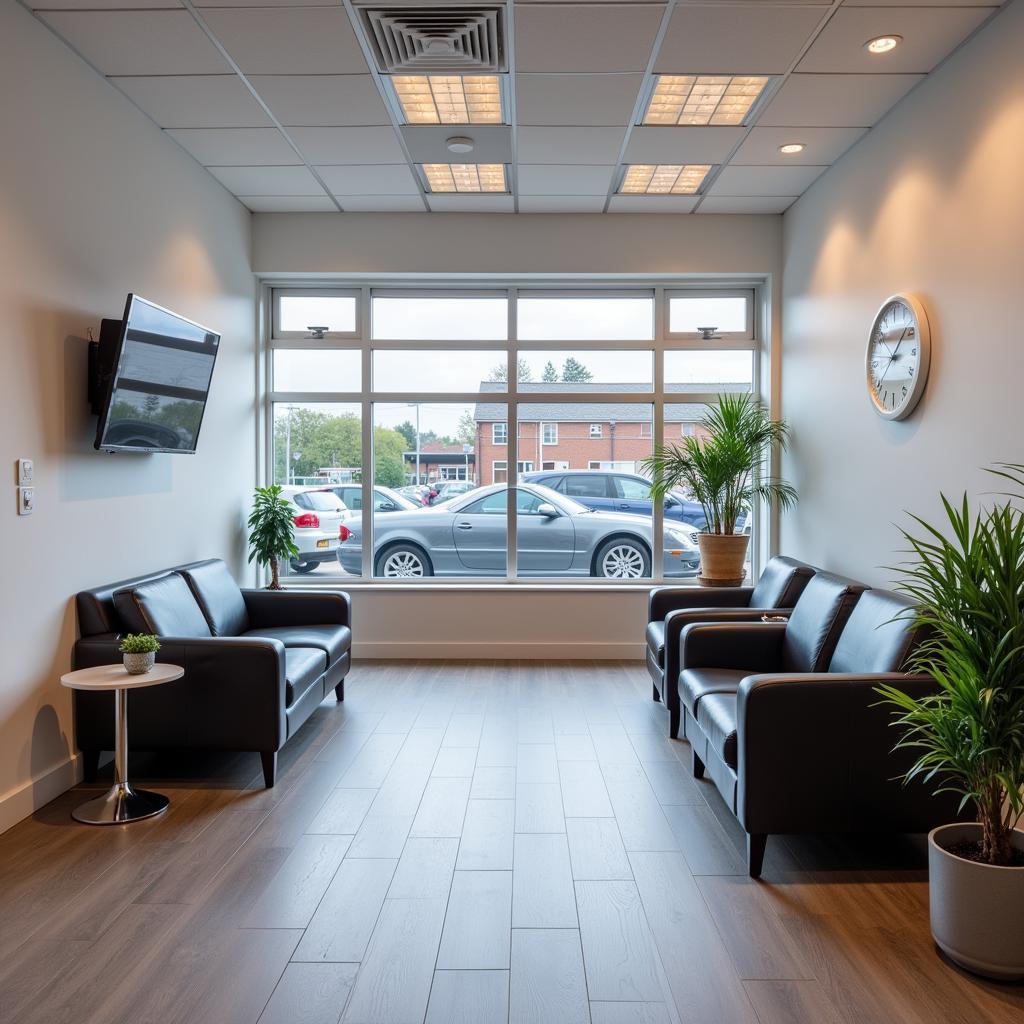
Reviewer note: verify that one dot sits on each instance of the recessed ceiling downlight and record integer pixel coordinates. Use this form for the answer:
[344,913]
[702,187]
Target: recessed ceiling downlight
[459,144]
[883,44]
[792,147]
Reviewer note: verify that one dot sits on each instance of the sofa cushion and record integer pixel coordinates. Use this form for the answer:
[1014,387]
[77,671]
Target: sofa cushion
[303,666]
[218,596]
[656,641]
[163,606]
[716,715]
[817,620]
[333,640]
[879,635]
[781,583]
[696,683]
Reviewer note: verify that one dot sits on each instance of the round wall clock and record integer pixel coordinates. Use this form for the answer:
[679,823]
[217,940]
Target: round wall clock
[898,356]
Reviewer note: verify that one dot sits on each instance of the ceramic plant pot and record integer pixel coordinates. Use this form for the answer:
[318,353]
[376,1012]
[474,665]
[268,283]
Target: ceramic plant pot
[139,664]
[721,558]
[976,909]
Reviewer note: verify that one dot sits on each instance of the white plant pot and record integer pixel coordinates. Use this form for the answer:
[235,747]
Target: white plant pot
[977,910]
[139,664]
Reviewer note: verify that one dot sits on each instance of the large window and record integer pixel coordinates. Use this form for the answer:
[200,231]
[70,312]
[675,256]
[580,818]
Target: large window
[394,417]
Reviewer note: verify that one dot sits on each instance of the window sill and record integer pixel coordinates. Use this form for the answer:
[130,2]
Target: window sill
[495,586]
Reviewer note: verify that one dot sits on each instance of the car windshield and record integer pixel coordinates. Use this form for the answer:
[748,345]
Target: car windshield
[399,499]
[320,501]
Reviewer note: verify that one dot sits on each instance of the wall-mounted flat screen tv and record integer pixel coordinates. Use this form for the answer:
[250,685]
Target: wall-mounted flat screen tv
[152,379]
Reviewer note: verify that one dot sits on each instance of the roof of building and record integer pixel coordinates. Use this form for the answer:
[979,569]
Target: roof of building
[598,412]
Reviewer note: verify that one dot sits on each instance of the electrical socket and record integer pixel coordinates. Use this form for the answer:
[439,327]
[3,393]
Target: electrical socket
[26,501]
[26,473]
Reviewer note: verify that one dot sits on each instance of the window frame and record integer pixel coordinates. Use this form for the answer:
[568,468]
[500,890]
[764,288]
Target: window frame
[748,294]
[543,433]
[280,293]
[756,286]
[598,434]
[494,434]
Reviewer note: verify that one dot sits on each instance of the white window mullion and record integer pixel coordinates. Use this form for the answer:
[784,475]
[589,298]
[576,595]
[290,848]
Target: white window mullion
[366,428]
[512,453]
[658,430]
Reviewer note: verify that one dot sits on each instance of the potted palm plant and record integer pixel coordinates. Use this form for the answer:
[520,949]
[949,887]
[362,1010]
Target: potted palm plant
[271,532]
[968,737]
[724,467]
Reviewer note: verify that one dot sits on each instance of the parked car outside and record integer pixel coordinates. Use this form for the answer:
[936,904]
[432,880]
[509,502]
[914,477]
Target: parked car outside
[556,536]
[385,499]
[318,516]
[417,492]
[452,489]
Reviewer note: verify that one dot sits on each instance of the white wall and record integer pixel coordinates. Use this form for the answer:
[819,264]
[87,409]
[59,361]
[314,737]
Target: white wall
[931,201]
[95,203]
[520,621]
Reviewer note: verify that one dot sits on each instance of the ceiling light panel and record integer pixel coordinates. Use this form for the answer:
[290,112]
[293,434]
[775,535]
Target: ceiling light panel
[465,177]
[449,99]
[663,179]
[703,99]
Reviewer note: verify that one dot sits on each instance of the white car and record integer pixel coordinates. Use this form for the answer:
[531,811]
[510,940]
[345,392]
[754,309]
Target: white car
[318,515]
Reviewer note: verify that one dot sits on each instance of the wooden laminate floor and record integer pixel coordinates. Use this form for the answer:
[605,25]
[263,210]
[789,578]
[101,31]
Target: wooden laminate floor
[499,842]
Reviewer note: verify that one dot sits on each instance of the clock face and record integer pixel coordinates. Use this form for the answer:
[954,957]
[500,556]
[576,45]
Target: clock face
[898,356]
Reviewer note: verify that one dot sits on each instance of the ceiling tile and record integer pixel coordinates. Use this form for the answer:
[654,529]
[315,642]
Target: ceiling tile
[289,204]
[369,179]
[823,145]
[763,181]
[561,204]
[195,101]
[99,5]
[251,147]
[262,3]
[564,179]
[426,143]
[746,204]
[925,3]
[690,144]
[538,145]
[835,100]
[576,99]
[289,41]
[382,204]
[471,204]
[584,38]
[735,40]
[652,204]
[928,36]
[268,181]
[139,42]
[348,145]
[322,100]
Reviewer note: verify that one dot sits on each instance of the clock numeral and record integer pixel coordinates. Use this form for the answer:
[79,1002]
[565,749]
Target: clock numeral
[904,389]
[910,371]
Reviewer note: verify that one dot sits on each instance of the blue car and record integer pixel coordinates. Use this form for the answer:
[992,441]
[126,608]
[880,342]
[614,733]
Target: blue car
[616,492]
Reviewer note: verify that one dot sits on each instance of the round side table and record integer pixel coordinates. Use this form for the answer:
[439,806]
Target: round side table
[121,803]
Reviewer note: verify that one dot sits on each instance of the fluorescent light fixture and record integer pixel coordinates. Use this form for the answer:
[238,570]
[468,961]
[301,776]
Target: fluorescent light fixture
[792,147]
[663,179]
[465,177]
[703,99]
[449,99]
[883,44]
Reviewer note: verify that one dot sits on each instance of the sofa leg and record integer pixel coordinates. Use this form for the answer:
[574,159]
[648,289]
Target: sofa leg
[756,844]
[269,759]
[698,765]
[339,691]
[90,765]
[656,696]
[673,723]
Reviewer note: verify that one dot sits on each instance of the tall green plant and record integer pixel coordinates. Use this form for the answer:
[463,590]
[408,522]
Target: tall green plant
[725,470]
[271,531]
[968,738]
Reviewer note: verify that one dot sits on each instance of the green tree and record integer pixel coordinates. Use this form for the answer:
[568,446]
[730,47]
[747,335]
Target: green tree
[523,374]
[408,431]
[318,439]
[550,374]
[465,433]
[574,372]
[389,461]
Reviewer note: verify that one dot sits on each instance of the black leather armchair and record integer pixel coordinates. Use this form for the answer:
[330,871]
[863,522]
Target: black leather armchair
[670,609]
[793,746]
[257,663]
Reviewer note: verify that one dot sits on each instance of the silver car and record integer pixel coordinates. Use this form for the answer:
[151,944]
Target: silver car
[555,536]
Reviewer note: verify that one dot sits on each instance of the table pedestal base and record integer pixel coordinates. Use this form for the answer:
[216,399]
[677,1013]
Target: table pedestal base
[120,804]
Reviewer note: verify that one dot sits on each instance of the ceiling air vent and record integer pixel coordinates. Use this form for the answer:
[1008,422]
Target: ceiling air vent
[437,40]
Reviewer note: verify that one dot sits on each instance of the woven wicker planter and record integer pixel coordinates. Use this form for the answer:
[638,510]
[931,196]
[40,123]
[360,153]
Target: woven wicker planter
[721,558]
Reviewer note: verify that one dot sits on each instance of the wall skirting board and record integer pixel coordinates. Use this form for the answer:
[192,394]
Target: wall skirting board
[27,798]
[462,651]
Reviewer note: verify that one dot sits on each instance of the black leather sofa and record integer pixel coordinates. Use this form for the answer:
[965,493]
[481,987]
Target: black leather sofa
[785,720]
[670,609]
[257,662]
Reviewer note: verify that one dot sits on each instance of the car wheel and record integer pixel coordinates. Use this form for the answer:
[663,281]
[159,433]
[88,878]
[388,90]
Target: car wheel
[622,559]
[297,565]
[403,561]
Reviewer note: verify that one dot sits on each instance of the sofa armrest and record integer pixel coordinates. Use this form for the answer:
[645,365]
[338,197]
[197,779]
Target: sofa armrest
[815,754]
[663,600]
[754,646]
[268,608]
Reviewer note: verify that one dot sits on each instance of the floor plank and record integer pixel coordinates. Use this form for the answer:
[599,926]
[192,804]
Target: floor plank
[425,869]
[539,807]
[542,892]
[547,981]
[487,835]
[596,850]
[478,922]
[469,997]
[310,994]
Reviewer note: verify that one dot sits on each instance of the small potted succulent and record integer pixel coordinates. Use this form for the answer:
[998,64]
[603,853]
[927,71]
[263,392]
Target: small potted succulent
[139,650]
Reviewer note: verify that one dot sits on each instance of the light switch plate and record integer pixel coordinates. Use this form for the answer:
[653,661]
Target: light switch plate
[26,501]
[26,473]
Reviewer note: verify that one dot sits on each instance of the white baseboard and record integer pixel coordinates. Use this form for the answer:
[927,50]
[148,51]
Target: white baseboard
[39,790]
[467,651]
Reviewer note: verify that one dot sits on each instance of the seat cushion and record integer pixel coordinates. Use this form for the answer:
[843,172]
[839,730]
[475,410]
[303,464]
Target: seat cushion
[716,715]
[163,606]
[218,597]
[879,635]
[333,640]
[303,666]
[781,583]
[656,641]
[696,683]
